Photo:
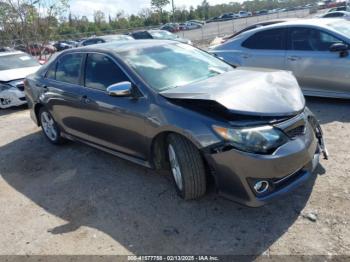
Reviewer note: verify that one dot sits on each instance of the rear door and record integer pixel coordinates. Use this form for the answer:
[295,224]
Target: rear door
[116,123]
[64,93]
[265,48]
[316,68]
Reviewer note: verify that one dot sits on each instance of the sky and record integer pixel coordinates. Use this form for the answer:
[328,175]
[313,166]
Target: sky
[87,7]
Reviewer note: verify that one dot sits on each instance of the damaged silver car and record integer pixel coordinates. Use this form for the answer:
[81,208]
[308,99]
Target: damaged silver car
[14,67]
[168,105]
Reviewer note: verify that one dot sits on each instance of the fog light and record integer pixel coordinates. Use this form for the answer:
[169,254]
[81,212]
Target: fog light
[261,186]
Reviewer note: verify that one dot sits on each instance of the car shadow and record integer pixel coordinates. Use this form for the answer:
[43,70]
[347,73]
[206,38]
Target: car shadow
[329,110]
[138,207]
[12,110]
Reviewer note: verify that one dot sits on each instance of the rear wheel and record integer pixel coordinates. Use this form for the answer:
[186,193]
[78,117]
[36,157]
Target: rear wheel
[50,127]
[187,167]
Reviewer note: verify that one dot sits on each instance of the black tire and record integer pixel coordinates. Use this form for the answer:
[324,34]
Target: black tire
[56,140]
[191,165]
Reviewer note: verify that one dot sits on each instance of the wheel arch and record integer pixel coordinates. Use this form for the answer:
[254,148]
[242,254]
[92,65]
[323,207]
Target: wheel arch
[158,149]
[37,108]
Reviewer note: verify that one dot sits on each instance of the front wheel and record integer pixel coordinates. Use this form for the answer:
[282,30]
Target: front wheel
[187,167]
[50,127]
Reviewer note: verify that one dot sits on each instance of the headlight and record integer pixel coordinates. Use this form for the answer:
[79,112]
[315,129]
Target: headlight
[4,87]
[261,140]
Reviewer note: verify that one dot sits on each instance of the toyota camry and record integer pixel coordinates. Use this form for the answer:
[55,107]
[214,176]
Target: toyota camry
[168,105]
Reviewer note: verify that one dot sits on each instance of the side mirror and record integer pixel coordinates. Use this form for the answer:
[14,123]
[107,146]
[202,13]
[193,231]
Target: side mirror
[120,89]
[341,48]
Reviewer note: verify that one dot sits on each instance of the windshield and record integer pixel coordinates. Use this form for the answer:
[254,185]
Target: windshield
[163,35]
[342,27]
[172,65]
[14,61]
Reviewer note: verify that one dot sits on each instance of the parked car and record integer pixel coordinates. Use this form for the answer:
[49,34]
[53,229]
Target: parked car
[337,14]
[190,26]
[197,21]
[158,34]
[262,12]
[63,45]
[105,39]
[242,14]
[339,8]
[213,19]
[223,17]
[171,27]
[308,48]
[221,40]
[168,105]
[14,67]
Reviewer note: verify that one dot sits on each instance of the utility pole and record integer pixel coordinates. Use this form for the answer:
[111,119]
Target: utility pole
[173,6]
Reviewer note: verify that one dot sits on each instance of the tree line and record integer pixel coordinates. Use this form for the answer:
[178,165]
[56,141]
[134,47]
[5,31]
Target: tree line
[42,20]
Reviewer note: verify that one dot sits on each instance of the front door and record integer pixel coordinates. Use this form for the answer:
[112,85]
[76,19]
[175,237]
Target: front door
[117,123]
[317,69]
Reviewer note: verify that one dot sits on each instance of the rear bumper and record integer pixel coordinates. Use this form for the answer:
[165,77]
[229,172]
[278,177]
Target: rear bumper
[288,167]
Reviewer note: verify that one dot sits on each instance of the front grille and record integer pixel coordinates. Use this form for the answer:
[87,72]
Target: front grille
[295,132]
[294,127]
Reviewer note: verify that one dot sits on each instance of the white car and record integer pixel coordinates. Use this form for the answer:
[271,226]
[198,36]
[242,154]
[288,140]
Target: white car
[14,67]
[242,14]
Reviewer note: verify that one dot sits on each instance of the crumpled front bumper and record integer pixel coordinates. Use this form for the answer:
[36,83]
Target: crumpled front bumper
[12,97]
[236,172]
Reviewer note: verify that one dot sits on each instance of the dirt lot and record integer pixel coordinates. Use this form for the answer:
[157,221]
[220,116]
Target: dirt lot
[77,200]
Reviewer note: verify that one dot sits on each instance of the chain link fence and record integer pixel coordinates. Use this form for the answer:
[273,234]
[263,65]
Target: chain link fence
[203,36]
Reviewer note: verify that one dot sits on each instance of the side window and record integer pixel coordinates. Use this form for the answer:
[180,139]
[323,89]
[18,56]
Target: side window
[273,39]
[68,68]
[299,39]
[101,72]
[141,35]
[333,15]
[305,39]
[51,72]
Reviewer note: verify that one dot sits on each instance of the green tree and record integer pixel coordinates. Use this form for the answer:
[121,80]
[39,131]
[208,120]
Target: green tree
[159,6]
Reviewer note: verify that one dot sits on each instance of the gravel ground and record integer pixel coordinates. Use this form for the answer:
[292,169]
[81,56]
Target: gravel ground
[74,199]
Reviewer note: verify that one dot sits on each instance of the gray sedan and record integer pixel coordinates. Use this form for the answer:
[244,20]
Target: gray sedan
[315,50]
[168,105]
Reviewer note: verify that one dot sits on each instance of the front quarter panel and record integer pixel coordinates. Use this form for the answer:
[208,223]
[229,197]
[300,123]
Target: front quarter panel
[165,116]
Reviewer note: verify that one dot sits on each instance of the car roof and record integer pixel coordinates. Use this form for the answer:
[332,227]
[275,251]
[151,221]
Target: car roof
[122,46]
[312,22]
[6,53]
[338,12]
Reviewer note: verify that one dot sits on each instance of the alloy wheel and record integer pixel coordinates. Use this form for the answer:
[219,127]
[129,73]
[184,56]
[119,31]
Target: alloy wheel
[48,125]
[175,167]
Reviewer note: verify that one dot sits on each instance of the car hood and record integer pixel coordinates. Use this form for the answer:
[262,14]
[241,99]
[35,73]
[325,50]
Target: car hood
[250,92]
[17,73]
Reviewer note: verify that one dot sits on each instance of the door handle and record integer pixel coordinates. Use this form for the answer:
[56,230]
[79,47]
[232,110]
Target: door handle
[245,56]
[85,99]
[293,58]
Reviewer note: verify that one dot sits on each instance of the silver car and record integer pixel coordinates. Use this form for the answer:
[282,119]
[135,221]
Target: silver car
[315,50]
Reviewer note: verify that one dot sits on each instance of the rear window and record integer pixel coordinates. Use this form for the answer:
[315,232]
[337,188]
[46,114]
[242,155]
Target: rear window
[14,61]
[268,39]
